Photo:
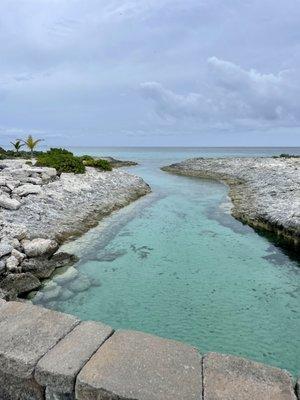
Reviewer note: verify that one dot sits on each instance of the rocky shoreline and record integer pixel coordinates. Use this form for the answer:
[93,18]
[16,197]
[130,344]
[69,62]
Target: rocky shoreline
[265,191]
[40,209]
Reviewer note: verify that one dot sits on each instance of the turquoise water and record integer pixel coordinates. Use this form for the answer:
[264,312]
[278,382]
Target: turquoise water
[176,264]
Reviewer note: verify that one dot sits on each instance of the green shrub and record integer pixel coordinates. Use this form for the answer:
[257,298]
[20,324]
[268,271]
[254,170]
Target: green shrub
[62,160]
[100,164]
[86,157]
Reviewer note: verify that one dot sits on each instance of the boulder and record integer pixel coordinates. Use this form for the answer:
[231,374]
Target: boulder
[38,247]
[28,188]
[133,365]
[67,276]
[8,203]
[34,181]
[20,283]
[43,267]
[5,248]
[229,377]
[17,231]
[18,255]
[12,263]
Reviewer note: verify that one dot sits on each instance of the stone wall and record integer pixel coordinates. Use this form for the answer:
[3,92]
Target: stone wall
[49,355]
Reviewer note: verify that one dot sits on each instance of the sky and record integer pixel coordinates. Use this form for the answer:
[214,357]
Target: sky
[150,72]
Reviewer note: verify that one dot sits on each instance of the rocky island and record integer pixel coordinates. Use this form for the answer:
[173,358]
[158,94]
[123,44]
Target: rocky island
[265,191]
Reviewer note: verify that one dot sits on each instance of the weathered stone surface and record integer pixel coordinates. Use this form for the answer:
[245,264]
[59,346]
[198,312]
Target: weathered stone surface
[15,388]
[69,204]
[43,267]
[52,395]
[2,267]
[18,255]
[66,276]
[28,188]
[20,283]
[132,365]
[5,248]
[60,366]
[27,332]
[8,203]
[11,263]
[39,247]
[265,191]
[298,388]
[228,377]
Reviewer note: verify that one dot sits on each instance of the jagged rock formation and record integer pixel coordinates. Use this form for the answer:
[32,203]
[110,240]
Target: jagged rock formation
[40,209]
[265,191]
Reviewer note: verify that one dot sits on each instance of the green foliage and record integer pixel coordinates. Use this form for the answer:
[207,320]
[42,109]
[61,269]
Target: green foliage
[86,158]
[31,143]
[100,164]
[17,145]
[62,160]
[4,154]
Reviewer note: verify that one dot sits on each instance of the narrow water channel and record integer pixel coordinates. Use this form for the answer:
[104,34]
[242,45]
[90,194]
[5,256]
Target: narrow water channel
[176,264]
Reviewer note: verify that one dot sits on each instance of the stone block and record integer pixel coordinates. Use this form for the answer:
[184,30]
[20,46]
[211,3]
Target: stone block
[229,377]
[134,365]
[60,366]
[14,388]
[27,332]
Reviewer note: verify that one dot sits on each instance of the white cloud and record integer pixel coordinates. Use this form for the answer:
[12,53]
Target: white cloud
[233,95]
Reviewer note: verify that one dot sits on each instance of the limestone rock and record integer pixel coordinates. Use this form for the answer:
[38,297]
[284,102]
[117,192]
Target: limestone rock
[20,283]
[25,190]
[5,248]
[43,267]
[11,263]
[132,365]
[264,190]
[229,377]
[8,203]
[60,366]
[18,255]
[39,247]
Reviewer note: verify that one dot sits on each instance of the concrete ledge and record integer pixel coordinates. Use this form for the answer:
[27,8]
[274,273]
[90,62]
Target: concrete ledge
[134,365]
[47,355]
[228,377]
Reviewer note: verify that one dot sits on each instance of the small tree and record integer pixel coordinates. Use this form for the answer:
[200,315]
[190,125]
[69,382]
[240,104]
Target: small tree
[31,143]
[17,145]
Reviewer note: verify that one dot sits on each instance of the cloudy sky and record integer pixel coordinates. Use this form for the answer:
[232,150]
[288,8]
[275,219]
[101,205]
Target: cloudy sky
[151,72]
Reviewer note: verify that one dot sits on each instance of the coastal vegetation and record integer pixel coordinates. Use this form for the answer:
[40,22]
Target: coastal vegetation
[61,159]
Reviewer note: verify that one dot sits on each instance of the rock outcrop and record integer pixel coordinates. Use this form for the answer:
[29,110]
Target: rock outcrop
[265,191]
[40,209]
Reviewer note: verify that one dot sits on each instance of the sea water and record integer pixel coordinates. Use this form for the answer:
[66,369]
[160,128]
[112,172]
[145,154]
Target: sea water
[176,264]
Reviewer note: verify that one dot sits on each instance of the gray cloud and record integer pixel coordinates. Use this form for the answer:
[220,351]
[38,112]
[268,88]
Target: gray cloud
[71,69]
[235,94]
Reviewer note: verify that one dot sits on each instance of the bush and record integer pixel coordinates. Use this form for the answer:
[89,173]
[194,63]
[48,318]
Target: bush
[62,160]
[100,164]
[86,158]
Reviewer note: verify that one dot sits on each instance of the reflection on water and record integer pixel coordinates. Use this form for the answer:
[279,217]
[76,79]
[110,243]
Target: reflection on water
[175,263]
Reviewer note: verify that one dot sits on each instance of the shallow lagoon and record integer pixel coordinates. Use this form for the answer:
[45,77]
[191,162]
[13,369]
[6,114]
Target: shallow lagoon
[176,264]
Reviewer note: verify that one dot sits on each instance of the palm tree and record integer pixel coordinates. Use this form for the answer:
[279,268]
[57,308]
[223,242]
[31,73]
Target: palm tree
[17,145]
[31,143]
